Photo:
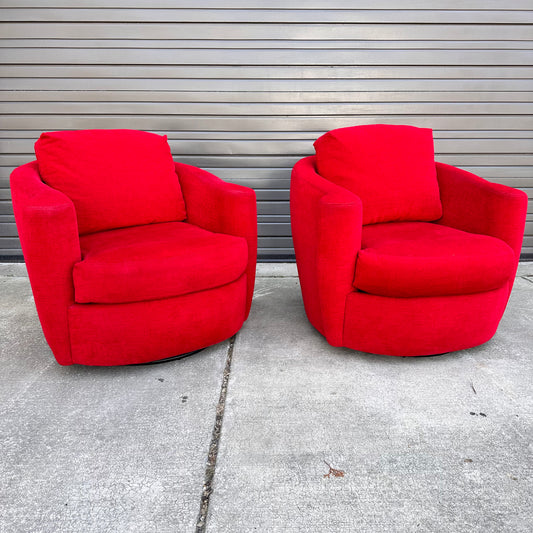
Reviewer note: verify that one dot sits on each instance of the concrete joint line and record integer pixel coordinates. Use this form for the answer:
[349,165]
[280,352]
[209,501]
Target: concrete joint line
[210,468]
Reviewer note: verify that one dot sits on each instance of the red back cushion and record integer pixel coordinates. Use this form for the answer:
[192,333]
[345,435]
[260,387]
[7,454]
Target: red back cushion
[391,168]
[115,178]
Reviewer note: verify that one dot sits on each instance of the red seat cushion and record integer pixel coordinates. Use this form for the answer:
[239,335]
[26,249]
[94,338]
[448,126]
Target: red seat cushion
[391,168]
[422,259]
[115,178]
[155,261]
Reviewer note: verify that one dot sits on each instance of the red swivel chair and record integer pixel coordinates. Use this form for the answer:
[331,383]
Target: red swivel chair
[397,254]
[132,258]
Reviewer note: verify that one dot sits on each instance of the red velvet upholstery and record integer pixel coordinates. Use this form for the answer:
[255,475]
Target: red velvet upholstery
[326,228]
[115,178]
[423,259]
[470,203]
[155,261]
[222,207]
[162,289]
[421,325]
[391,168]
[146,331]
[48,232]
[406,288]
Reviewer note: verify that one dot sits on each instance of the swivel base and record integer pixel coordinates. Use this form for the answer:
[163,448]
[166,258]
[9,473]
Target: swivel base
[167,359]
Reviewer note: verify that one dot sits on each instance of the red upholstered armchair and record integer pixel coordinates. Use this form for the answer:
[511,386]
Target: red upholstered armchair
[397,254]
[132,257]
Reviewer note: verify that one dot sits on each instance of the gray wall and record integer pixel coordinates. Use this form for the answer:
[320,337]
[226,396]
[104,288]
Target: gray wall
[242,88]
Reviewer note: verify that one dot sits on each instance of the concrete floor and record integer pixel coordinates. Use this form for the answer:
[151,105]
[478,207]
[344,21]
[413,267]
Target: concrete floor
[438,444]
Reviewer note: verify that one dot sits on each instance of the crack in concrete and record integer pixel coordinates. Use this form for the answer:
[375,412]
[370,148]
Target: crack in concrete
[210,468]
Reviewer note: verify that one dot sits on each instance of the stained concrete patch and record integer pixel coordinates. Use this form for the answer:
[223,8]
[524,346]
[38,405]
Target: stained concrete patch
[425,444]
[98,449]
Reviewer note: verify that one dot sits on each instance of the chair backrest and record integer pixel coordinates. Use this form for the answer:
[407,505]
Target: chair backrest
[391,168]
[115,178]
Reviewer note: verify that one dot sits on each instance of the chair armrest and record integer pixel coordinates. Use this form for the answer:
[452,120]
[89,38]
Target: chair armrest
[48,232]
[222,207]
[473,204]
[326,227]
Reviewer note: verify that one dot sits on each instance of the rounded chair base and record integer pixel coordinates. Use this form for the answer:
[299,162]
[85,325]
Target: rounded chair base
[424,325]
[157,330]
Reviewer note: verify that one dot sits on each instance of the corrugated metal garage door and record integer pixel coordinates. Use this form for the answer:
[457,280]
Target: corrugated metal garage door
[242,88]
